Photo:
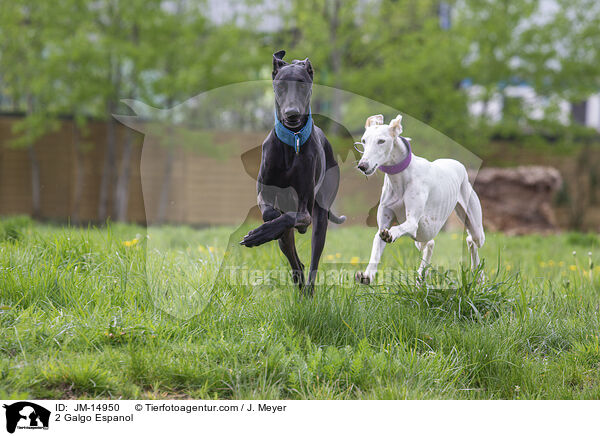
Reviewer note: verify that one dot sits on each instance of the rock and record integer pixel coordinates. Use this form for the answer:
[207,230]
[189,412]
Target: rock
[518,200]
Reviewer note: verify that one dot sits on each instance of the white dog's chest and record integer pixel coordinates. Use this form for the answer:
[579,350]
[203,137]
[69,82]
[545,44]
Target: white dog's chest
[433,187]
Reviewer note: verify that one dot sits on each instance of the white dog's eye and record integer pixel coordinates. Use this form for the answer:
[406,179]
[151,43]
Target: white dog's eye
[381,141]
[362,140]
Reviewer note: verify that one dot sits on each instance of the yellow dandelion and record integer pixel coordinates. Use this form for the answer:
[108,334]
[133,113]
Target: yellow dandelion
[454,236]
[201,249]
[211,249]
[573,267]
[561,263]
[550,263]
[338,255]
[131,243]
[542,264]
[330,257]
[354,260]
[508,267]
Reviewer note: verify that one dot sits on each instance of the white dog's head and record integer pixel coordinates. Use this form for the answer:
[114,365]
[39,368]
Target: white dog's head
[378,142]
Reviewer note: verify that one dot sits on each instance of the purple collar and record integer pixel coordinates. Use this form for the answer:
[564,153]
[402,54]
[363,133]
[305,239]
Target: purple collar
[400,166]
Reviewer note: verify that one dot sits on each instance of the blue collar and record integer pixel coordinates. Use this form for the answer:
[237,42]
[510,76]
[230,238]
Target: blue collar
[294,139]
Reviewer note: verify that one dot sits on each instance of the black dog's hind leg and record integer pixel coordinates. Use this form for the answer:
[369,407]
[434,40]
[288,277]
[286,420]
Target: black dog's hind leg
[318,243]
[288,248]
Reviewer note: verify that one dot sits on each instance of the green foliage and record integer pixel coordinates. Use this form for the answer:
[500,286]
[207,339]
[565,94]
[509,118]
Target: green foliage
[67,57]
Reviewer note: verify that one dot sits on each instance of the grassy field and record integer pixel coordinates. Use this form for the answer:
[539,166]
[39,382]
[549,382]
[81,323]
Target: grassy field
[79,318]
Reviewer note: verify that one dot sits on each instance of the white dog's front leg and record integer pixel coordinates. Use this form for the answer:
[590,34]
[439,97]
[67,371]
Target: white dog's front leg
[376,251]
[415,198]
[406,228]
[385,216]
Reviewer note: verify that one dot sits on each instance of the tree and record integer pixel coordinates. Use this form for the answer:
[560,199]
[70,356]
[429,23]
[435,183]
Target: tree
[27,40]
[79,81]
[208,56]
[393,52]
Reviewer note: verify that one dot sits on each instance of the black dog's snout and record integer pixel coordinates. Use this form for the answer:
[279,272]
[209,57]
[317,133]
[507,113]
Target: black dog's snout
[292,112]
[362,166]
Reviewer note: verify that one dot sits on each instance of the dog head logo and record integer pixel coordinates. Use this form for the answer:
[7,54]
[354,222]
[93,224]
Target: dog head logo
[26,415]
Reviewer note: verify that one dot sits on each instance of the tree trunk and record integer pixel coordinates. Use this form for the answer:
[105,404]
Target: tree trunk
[108,169]
[121,194]
[36,207]
[165,190]
[79,176]
[124,176]
[336,67]
[108,166]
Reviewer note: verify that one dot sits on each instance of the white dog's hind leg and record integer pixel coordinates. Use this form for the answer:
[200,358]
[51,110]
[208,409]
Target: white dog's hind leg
[427,250]
[468,210]
[473,251]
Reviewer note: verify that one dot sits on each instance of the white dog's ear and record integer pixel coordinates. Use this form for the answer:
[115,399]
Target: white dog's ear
[396,126]
[375,120]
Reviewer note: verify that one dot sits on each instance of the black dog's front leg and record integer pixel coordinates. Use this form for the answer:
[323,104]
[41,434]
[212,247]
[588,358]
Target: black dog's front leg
[274,229]
[286,245]
[288,248]
[318,242]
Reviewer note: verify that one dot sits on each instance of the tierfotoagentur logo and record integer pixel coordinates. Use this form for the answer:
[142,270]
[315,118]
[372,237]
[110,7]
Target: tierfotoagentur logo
[26,415]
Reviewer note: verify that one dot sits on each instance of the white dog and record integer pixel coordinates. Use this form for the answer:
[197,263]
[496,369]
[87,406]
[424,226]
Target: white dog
[419,194]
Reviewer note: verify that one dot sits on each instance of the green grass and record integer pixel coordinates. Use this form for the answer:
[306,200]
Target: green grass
[79,318]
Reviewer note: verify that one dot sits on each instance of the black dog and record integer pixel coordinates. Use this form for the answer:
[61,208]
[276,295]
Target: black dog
[299,177]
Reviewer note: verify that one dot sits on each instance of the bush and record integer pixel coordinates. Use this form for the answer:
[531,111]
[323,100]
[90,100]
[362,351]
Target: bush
[12,229]
[583,239]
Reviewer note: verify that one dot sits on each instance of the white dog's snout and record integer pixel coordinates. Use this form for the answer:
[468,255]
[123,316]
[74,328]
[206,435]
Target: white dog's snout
[363,166]
[366,167]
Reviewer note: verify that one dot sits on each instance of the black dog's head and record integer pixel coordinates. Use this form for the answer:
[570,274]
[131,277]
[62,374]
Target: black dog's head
[292,84]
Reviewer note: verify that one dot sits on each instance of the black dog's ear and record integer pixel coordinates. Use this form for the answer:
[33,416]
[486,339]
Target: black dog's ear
[309,68]
[278,61]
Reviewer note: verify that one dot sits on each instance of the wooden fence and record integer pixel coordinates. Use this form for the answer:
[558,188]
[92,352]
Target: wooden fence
[203,190]
[57,157]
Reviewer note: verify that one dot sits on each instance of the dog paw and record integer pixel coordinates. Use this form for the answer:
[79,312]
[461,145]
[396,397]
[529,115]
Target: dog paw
[481,278]
[386,236]
[362,278]
[267,232]
[298,277]
[307,290]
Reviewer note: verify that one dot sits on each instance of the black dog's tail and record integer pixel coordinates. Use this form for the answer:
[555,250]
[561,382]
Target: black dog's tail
[335,219]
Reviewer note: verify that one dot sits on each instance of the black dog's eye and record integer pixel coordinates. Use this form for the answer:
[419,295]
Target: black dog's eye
[381,141]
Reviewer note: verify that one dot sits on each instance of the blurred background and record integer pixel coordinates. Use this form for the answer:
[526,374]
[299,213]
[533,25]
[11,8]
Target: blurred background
[516,83]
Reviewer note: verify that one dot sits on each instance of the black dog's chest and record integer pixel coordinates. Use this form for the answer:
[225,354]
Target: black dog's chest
[285,167]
